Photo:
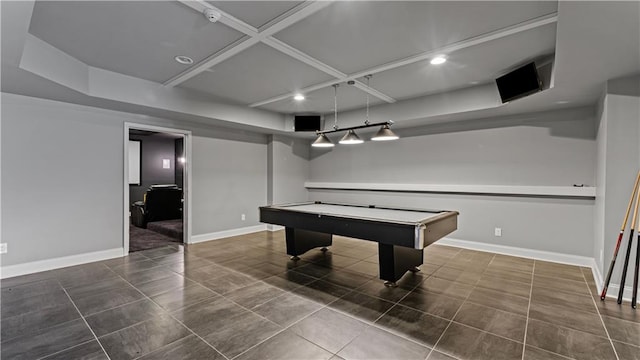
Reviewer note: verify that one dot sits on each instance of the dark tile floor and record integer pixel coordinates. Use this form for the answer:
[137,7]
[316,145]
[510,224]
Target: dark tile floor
[242,298]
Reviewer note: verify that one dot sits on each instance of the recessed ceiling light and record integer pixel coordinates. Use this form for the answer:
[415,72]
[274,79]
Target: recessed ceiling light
[440,59]
[185,60]
[474,83]
[298,97]
[560,102]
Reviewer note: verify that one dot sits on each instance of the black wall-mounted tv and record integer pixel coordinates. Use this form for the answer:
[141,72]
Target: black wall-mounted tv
[520,82]
[306,122]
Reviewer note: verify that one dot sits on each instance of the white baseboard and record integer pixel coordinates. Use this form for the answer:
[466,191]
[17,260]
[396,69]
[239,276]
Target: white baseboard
[521,252]
[576,260]
[227,233]
[597,276]
[612,291]
[56,263]
[273,228]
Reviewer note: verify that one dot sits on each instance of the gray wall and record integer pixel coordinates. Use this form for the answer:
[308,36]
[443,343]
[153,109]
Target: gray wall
[153,149]
[288,168]
[547,149]
[229,179]
[599,209]
[62,177]
[556,149]
[617,165]
[556,225]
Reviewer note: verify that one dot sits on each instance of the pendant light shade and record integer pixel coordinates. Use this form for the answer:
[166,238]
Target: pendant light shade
[351,138]
[322,141]
[385,134]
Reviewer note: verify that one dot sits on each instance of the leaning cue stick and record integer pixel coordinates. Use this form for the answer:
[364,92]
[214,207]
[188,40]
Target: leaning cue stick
[603,295]
[635,278]
[626,259]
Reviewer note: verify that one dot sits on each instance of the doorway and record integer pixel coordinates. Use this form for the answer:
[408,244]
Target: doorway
[157,182]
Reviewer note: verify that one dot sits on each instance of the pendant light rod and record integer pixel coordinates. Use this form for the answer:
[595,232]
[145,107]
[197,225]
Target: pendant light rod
[318,132]
[335,106]
[366,121]
[351,137]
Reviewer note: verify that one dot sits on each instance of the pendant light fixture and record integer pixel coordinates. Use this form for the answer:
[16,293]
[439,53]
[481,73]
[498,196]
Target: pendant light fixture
[323,140]
[385,133]
[351,137]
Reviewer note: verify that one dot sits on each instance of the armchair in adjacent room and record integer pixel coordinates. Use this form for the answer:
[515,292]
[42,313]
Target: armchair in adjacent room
[161,202]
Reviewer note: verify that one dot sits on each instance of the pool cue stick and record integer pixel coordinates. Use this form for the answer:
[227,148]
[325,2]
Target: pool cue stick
[626,259]
[634,298]
[605,287]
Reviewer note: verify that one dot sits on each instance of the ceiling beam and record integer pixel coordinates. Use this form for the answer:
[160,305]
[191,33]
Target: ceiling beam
[298,13]
[366,88]
[477,40]
[222,55]
[255,36]
[300,56]
[226,18]
[285,20]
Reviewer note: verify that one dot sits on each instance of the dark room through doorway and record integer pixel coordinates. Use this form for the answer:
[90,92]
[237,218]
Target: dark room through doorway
[156,189]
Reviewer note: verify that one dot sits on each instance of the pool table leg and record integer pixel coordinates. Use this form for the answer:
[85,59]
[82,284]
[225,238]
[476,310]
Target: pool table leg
[395,261]
[301,241]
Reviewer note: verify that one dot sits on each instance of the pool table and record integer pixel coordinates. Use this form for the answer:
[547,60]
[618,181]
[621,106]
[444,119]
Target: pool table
[401,234]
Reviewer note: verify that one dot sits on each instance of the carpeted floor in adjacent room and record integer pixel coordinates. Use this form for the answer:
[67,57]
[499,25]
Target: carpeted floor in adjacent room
[143,239]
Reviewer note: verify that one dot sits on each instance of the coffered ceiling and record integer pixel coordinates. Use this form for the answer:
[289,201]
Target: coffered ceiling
[248,65]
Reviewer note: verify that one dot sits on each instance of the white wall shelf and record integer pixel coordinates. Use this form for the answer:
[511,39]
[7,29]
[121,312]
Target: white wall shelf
[587,192]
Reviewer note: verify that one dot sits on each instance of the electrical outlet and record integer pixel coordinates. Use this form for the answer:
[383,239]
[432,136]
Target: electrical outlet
[243,217]
[497,232]
[3,248]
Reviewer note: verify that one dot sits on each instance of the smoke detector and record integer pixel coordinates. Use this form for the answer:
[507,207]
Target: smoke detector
[212,15]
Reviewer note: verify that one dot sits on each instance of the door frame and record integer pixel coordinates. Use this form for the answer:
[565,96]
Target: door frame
[186,189]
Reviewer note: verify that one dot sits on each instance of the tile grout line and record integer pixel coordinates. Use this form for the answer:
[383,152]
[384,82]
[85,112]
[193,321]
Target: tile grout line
[247,309]
[526,324]
[457,311]
[402,298]
[349,315]
[292,324]
[115,307]
[487,332]
[552,353]
[325,306]
[615,352]
[226,298]
[373,323]
[287,328]
[65,349]
[85,322]
[169,314]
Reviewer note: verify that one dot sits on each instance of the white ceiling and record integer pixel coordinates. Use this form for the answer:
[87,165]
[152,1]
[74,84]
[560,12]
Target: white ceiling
[354,36]
[250,63]
[268,71]
[255,13]
[135,38]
